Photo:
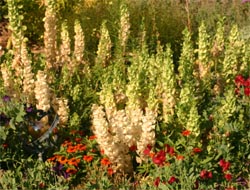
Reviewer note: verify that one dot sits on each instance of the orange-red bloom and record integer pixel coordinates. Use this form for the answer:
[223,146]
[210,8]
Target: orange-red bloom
[52,159]
[197,150]
[179,157]
[72,149]
[186,133]
[81,147]
[74,161]
[105,162]
[73,132]
[88,158]
[77,139]
[133,148]
[102,151]
[62,159]
[92,137]
[71,171]
[66,143]
[110,171]
[5,145]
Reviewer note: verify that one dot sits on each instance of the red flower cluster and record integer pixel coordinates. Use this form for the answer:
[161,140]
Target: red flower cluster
[159,158]
[206,174]
[186,133]
[197,150]
[228,177]
[241,82]
[147,150]
[157,182]
[172,180]
[224,165]
[170,150]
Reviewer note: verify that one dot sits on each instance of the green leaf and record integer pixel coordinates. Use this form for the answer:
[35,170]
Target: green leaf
[207,160]
[3,133]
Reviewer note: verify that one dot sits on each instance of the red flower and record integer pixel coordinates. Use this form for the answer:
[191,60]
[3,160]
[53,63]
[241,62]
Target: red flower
[228,177]
[133,148]
[210,175]
[180,157]
[170,150]
[110,171]
[147,150]
[159,158]
[72,149]
[157,182]
[239,80]
[237,91]
[206,174]
[5,145]
[71,171]
[197,150]
[66,143]
[247,91]
[87,158]
[74,161]
[41,185]
[172,180]
[230,188]
[105,162]
[225,165]
[81,147]
[92,137]
[77,139]
[186,133]
[247,82]
[73,132]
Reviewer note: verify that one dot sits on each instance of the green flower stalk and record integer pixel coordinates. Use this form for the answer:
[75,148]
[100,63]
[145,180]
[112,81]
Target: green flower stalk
[227,108]
[106,97]
[233,52]
[218,56]
[50,33]
[186,107]
[218,42]
[245,66]
[79,45]
[28,76]
[167,85]
[104,47]
[187,59]
[203,55]
[124,28]
[15,25]
[133,88]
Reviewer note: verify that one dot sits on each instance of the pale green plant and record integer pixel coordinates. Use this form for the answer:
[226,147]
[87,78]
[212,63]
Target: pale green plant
[104,47]
[15,24]
[203,64]
[124,29]
[233,52]
[187,110]
[167,85]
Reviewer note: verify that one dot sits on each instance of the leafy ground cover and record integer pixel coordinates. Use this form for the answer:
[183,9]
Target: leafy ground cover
[130,101]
